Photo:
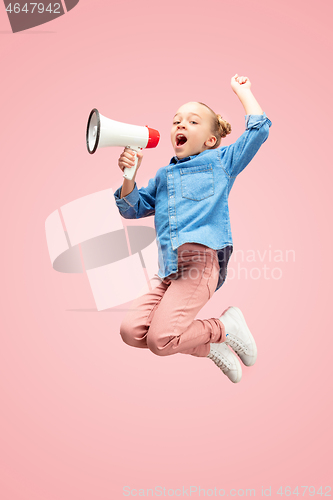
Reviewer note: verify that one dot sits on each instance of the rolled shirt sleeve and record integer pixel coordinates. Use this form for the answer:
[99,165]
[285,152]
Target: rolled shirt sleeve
[238,155]
[138,203]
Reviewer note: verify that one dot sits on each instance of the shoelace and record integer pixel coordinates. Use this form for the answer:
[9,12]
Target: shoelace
[236,344]
[220,361]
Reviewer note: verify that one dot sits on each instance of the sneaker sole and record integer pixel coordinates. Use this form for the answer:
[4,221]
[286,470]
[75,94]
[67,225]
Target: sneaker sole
[235,360]
[254,345]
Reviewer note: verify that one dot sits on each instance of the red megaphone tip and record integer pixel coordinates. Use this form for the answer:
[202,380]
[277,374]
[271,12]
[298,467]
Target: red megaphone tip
[154,137]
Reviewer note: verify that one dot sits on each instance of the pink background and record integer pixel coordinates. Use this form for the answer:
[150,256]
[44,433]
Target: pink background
[83,414]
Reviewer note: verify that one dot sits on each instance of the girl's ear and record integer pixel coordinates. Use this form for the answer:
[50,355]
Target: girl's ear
[211,141]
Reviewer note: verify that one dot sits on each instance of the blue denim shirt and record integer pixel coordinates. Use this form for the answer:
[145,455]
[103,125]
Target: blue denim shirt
[189,198]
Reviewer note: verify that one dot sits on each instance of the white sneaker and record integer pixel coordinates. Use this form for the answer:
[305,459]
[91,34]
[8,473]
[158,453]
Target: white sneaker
[225,359]
[239,336]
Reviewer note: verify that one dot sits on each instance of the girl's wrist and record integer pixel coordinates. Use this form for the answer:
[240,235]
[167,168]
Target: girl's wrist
[241,91]
[249,102]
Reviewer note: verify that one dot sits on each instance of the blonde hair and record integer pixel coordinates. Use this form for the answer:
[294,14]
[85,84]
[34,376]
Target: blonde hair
[220,127]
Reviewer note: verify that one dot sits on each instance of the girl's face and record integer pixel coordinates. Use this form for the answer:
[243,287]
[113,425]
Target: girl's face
[191,130]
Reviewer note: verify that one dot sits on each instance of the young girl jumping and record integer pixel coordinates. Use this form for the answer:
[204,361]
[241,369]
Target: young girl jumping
[189,199]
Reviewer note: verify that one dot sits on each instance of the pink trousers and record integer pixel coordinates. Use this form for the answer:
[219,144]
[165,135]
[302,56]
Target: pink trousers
[163,321]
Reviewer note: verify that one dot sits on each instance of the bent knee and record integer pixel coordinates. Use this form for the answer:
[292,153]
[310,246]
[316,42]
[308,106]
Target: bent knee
[131,335]
[126,332]
[161,346]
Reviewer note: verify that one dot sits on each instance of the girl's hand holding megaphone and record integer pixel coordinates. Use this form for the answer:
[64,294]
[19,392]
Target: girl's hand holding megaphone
[127,159]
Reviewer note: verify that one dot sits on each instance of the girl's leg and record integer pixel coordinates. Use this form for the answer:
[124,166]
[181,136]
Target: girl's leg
[135,324]
[173,328]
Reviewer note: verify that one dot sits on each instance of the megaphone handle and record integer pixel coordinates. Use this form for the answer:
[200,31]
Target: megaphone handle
[129,172]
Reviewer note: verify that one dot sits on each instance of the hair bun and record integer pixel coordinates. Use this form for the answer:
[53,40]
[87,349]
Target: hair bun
[220,127]
[225,127]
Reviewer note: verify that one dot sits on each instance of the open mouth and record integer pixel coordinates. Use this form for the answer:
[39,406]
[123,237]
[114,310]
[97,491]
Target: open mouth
[180,140]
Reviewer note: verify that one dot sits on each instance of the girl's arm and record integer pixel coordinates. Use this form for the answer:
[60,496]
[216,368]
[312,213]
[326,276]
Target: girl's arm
[237,156]
[241,85]
[134,203]
[126,160]
[138,203]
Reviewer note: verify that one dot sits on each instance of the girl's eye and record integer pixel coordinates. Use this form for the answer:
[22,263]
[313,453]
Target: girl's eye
[175,123]
[194,122]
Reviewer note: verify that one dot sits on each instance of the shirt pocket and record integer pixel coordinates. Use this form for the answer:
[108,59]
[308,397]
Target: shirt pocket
[197,183]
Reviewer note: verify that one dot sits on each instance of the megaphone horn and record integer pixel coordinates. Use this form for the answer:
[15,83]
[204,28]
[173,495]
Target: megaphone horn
[103,132]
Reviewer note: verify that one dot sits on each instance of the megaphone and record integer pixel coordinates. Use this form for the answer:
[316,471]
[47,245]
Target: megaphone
[103,132]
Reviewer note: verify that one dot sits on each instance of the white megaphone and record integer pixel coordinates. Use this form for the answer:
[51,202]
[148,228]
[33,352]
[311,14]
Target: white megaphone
[103,132]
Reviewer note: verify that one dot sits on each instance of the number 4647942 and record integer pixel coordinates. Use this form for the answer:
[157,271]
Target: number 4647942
[40,8]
